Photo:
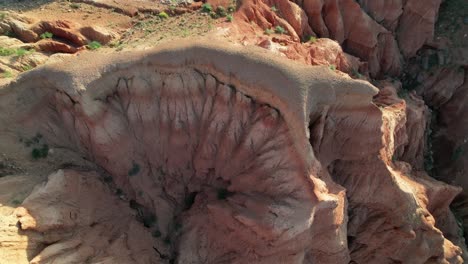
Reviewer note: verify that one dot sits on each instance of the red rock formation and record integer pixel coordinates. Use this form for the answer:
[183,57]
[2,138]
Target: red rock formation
[211,143]
[68,37]
[377,32]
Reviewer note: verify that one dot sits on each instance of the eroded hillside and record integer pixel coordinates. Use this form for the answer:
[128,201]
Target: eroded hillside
[292,132]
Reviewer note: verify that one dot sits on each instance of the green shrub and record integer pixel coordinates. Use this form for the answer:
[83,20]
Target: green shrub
[213,15]
[21,52]
[269,31]
[6,51]
[46,35]
[38,153]
[149,220]
[223,193]
[189,200]
[134,170]
[94,45]
[206,8]
[16,202]
[312,39]
[27,67]
[74,6]
[231,9]
[6,74]
[280,30]
[163,15]
[332,67]
[156,233]
[229,18]
[221,11]
[274,9]
[457,153]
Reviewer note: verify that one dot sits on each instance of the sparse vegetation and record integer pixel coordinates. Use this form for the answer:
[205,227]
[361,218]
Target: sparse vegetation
[134,170]
[149,220]
[213,15]
[189,200]
[6,74]
[280,30]
[223,193]
[221,11]
[74,6]
[332,67]
[312,39]
[27,67]
[402,93]
[269,31]
[2,16]
[156,233]
[356,74]
[39,153]
[163,15]
[12,51]
[231,9]
[9,33]
[94,45]
[46,35]
[274,9]
[429,154]
[16,202]
[229,18]
[457,153]
[206,8]
[21,52]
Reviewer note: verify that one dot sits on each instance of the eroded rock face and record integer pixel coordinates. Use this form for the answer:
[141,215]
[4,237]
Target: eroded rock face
[209,145]
[380,33]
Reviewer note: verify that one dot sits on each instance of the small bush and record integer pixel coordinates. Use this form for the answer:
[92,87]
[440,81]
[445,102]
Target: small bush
[74,6]
[2,16]
[402,93]
[223,193]
[269,31]
[46,35]
[332,67]
[163,15]
[6,51]
[457,153]
[280,30]
[231,9]
[9,33]
[206,8]
[18,52]
[39,153]
[149,220]
[229,18]
[312,39]
[27,67]
[134,170]
[213,15]
[94,45]
[274,9]
[16,202]
[6,74]
[21,52]
[189,200]
[221,11]
[156,233]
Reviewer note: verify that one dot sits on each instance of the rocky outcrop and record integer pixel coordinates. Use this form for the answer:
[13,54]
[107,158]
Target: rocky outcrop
[61,35]
[380,33]
[227,154]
